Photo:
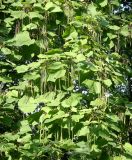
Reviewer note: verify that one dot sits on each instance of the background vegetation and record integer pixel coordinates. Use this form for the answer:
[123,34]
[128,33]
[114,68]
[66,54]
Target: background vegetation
[65,83]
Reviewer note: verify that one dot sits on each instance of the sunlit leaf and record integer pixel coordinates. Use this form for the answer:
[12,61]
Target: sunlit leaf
[97,87]
[83,131]
[56,75]
[128,148]
[52,7]
[114,27]
[76,118]
[72,101]
[107,82]
[21,39]
[125,31]
[103,3]
[27,104]
[92,10]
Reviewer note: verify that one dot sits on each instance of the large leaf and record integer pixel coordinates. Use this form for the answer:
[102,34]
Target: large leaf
[104,134]
[104,3]
[83,131]
[80,57]
[56,75]
[25,128]
[107,82]
[72,101]
[35,15]
[46,98]
[125,31]
[18,14]
[56,66]
[76,118]
[24,139]
[97,102]
[114,27]
[93,86]
[21,39]
[52,7]
[58,115]
[30,26]
[27,104]
[22,68]
[92,10]
[97,87]
[128,148]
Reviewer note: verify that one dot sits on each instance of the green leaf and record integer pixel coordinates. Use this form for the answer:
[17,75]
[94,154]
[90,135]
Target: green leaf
[56,66]
[38,6]
[97,87]
[107,82]
[25,128]
[125,31]
[30,26]
[128,148]
[82,148]
[111,45]
[114,27]
[10,136]
[12,93]
[21,39]
[6,51]
[73,35]
[54,51]
[18,14]
[46,98]
[51,7]
[89,83]
[5,79]
[56,75]
[89,54]
[67,144]
[27,104]
[22,68]
[24,139]
[104,3]
[121,158]
[114,127]
[83,131]
[111,36]
[58,115]
[129,105]
[76,118]
[113,118]
[56,9]
[17,4]
[95,148]
[104,134]
[30,76]
[97,102]
[7,147]
[85,111]
[21,86]
[35,15]
[72,101]
[79,58]
[92,10]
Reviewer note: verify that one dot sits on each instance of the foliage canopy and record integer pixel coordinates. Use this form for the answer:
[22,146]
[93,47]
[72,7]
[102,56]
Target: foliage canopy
[65,83]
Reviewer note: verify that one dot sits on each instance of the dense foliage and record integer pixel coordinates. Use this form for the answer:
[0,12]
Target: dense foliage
[65,82]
